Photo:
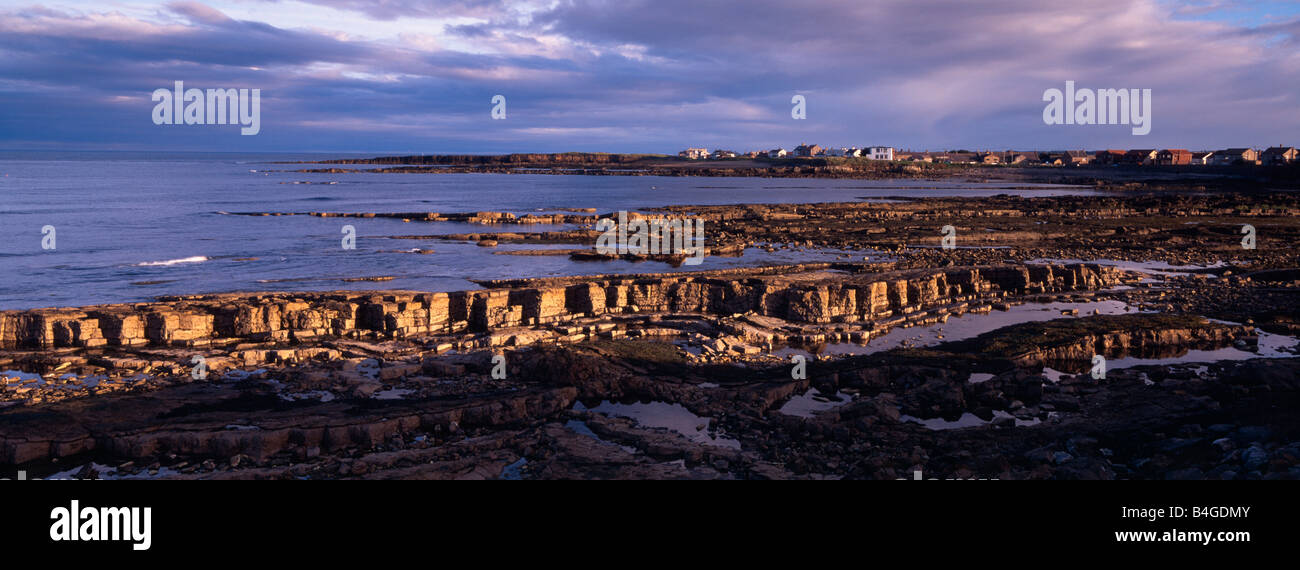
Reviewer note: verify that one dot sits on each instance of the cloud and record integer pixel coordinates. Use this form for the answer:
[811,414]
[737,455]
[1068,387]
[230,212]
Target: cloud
[198,13]
[1286,33]
[640,75]
[395,9]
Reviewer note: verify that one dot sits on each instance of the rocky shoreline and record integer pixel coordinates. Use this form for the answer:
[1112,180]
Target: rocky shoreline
[603,164]
[976,362]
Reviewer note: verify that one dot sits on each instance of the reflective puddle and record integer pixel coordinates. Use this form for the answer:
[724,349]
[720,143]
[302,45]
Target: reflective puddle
[1269,346]
[963,327]
[812,401]
[673,417]
[581,428]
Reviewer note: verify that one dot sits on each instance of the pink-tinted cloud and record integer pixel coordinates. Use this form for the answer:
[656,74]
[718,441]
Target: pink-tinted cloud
[641,75]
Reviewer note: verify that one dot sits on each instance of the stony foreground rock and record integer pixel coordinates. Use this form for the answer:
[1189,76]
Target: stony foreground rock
[804,371]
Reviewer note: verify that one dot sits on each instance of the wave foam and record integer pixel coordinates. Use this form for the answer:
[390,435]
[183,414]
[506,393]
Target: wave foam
[169,262]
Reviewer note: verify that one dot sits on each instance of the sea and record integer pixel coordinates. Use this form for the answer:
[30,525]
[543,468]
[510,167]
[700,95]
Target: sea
[131,226]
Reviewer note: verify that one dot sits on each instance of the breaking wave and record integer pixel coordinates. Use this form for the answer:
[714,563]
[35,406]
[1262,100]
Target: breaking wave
[169,262]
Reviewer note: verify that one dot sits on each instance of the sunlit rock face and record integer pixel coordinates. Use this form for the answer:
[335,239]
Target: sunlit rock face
[200,320]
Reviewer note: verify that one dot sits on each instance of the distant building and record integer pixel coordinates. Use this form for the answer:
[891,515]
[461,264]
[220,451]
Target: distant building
[1235,156]
[1109,156]
[991,158]
[1013,157]
[1202,158]
[694,153]
[1067,158]
[1174,157]
[854,152]
[879,152]
[806,150]
[1077,158]
[1279,155]
[720,154]
[1143,156]
[833,151]
[778,153]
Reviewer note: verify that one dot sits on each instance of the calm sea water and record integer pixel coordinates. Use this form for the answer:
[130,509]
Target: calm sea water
[132,226]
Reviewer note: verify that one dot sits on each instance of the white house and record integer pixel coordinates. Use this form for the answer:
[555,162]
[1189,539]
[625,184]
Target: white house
[694,153]
[879,152]
[777,153]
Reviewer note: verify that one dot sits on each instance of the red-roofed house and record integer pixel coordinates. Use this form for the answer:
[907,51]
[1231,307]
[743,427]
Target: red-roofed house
[1174,157]
[1109,157]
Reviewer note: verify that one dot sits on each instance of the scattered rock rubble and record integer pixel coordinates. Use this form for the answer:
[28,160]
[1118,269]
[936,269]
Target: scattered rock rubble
[516,380]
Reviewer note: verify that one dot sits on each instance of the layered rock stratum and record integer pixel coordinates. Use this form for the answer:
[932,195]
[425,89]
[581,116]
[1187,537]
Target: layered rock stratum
[849,369]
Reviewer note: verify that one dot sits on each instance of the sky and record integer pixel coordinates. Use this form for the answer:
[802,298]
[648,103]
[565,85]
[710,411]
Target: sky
[419,76]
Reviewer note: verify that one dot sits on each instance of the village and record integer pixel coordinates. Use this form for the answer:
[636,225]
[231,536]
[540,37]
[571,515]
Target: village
[1273,156]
